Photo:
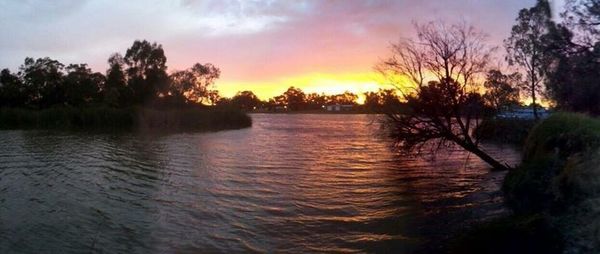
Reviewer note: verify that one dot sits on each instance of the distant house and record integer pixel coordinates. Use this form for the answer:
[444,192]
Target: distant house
[339,107]
[523,113]
[280,108]
[336,107]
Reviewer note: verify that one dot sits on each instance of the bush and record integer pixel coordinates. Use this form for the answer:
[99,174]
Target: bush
[554,150]
[560,178]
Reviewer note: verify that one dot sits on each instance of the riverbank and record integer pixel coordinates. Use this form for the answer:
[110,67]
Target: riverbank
[553,194]
[124,119]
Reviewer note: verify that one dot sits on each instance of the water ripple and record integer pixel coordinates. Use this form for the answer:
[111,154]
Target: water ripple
[291,183]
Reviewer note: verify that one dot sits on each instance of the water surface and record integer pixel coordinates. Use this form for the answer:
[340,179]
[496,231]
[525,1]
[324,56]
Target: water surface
[291,183]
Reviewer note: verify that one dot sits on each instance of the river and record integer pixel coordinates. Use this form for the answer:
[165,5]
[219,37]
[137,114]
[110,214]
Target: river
[291,183]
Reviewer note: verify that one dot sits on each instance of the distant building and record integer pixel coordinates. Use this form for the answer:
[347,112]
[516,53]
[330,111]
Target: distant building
[348,107]
[339,107]
[280,108]
[523,113]
[333,107]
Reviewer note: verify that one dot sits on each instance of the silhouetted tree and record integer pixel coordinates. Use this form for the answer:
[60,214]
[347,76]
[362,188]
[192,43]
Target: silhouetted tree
[246,100]
[224,101]
[344,98]
[573,58]
[82,86]
[294,98]
[136,79]
[193,84]
[12,90]
[583,18]
[146,70]
[382,101]
[525,46]
[316,101]
[116,92]
[213,97]
[502,90]
[446,110]
[43,78]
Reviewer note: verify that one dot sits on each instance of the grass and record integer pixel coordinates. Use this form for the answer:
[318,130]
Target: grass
[105,118]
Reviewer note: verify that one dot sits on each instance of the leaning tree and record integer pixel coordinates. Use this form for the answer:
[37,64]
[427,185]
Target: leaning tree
[438,74]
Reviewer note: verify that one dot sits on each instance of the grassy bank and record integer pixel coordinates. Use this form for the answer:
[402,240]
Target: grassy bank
[104,118]
[554,193]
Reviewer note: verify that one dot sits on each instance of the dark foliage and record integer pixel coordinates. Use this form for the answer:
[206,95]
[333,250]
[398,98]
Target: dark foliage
[504,130]
[443,111]
[139,78]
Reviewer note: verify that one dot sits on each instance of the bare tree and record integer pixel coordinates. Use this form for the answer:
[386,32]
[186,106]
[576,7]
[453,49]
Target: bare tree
[438,74]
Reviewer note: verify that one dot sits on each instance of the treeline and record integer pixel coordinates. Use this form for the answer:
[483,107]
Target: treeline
[138,78]
[295,99]
[502,92]
[136,92]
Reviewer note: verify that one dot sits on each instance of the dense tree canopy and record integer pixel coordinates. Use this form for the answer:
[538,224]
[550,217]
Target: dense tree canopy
[138,78]
[502,90]
[246,100]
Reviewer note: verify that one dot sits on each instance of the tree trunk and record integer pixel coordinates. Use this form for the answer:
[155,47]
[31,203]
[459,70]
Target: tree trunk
[535,113]
[533,99]
[474,149]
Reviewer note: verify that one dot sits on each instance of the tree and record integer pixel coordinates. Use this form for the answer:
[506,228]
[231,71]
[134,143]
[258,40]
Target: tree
[213,97]
[525,46]
[502,90]
[12,90]
[43,78]
[583,16]
[193,84]
[344,98]
[146,70]
[384,100]
[115,90]
[246,100]
[82,86]
[573,56]
[446,109]
[315,100]
[295,98]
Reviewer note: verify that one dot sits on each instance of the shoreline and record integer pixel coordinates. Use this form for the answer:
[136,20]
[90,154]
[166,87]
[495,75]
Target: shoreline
[124,119]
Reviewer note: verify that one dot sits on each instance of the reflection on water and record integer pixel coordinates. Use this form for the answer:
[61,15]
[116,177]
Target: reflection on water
[291,183]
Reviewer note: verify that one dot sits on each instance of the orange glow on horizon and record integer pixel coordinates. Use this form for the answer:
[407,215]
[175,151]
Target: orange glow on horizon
[327,83]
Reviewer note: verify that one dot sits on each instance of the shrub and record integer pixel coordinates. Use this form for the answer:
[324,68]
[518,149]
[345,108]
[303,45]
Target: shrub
[559,178]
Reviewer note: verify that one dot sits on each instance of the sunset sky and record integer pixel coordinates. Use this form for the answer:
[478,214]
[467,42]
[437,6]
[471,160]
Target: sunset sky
[264,46]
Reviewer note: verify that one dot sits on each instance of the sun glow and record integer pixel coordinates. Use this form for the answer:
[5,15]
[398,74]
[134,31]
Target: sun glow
[327,83]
